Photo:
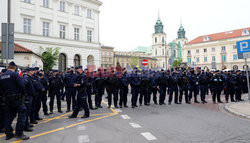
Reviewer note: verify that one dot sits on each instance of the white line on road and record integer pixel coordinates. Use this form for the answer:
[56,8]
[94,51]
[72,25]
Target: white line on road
[126,117]
[118,110]
[83,139]
[149,136]
[134,125]
[81,128]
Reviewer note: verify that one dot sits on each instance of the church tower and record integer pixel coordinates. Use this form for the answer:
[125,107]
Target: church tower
[181,40]
[159,44]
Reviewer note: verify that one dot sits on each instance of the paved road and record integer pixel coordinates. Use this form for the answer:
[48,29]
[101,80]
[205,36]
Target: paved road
[195,123]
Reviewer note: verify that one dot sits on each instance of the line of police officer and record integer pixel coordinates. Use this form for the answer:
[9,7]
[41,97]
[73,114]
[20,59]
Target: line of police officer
[25,95]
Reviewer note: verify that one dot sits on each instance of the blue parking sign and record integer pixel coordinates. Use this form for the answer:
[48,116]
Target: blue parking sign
[243,46]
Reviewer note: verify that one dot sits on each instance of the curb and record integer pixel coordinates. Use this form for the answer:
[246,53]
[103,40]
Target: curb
[227,108]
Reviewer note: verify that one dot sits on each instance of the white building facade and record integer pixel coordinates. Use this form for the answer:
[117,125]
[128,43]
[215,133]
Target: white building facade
[216,51]
[70,25]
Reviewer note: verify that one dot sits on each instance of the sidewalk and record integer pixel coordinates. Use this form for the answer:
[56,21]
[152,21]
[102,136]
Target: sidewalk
[241,109]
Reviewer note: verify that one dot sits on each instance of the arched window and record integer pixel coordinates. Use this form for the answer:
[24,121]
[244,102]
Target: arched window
[90,60]
[62,62]
[77,61]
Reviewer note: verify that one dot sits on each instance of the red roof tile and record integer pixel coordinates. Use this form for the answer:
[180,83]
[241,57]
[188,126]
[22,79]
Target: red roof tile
[18,49]
[219,36]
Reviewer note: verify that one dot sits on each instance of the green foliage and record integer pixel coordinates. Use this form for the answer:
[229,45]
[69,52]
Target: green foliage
[177,63]
[134,62]
[49,56]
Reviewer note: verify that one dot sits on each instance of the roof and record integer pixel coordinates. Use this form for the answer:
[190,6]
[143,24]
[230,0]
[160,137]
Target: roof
[18,49]
[107,47]
[220,36]
[143,49]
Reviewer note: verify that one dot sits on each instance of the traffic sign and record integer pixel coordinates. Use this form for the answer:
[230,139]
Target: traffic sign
[144,62]
[243,49]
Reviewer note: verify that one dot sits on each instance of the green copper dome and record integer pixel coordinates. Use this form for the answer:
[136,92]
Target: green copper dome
[158,26]
[181,32]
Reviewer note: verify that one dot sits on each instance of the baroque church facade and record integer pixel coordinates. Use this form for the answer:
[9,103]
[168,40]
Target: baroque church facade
[164,52]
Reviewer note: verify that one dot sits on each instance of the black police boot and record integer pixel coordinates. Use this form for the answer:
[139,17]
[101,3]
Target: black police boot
[39,119]
[29,129]
[31,125]
[133,106]
[23,137]
[125,106]
[1,130]
[67,111]
[9,136]
[51,112]
[60,111]
[109,106]
[71,116]
[196,101]
[34,122]
[85,116]
[46,114]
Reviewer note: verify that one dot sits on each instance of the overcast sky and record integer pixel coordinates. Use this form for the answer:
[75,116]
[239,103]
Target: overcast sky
[126,24]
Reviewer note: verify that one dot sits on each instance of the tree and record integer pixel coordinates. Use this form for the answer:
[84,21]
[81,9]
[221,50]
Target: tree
[177,63]
[134,62]
[49,56]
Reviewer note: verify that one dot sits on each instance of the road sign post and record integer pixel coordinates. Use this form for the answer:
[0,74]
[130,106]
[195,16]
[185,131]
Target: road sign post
[243,49]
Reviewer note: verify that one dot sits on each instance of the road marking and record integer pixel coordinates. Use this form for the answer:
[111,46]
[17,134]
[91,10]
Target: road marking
[149,136]
[83,139]
[81,128]
[134,125]
[125,117]
[118,110]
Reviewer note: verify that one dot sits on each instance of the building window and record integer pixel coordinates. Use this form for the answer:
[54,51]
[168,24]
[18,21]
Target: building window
[109,53]
[155,40]
[105,53]
[26,25]
[205,59]
[189,60]
[213,58]
[245,32]
[26,1]
[223,48]
[89,13]
[198,60]
[234,47]
[89,36]
[76,33]
[76,10]
[189,52]
[62,31]
[197,51]
[156,52]
[205,50]
[206,38]
[45,29]
[213,49]
[62,6]
[46,3]
[162,51]
[77,61]
[163,40]
[110,60]
[235,57]
[223,58]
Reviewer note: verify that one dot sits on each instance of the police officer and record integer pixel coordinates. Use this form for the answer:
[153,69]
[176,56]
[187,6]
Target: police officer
[203,83]
[135,83]
[153,86]
[230,86]
[217,85]
[28,81]
[99,83]
[144,88]
[163,83]
[239,85]
[193,86]
[45,84]
[80,85]
[54,90]
[112,88]
[89,90]
[173,87]
[124,82]
[14,90]
[69,80]
[183,87]
[2,106]
[39,89]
